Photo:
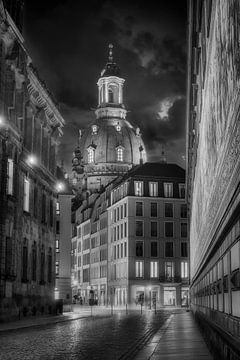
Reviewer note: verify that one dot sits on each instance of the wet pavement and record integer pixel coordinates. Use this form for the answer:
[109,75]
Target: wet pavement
[120,336]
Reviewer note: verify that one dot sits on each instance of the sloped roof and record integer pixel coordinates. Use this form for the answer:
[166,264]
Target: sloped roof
[156,169]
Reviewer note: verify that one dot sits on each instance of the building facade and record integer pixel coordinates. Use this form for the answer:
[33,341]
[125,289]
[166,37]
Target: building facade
[132,240]
[213,170]
[30,126]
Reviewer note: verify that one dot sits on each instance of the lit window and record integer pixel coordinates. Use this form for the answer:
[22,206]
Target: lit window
[139,269]
[184,269]
[90,155]
[119,154]
[10,177]
[153,189]
[138,188]
[57,268]
[118,127]
[57,208]
[168,190]
[94,129]
[57,245]
[153,269]
[182,191]
[26,193]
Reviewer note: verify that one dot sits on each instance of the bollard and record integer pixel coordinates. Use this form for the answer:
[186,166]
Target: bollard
[126,310]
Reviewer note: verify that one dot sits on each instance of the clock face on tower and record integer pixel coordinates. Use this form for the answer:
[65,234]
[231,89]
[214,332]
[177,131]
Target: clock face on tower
[110,146]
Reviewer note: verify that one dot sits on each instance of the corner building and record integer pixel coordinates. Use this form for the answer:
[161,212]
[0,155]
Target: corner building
[213,171]
[148,255]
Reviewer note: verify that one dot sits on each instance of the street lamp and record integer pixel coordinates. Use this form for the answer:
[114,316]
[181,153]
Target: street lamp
[60,186]
[32,160]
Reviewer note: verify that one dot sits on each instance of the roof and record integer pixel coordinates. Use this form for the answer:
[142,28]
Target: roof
[156,169]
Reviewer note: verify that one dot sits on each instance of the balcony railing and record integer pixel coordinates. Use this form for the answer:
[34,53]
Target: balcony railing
[173,279]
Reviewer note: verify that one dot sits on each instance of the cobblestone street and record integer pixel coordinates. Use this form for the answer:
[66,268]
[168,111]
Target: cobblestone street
[107,337]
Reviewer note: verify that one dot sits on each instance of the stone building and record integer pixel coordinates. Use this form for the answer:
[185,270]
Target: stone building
[30,125]
[213,149]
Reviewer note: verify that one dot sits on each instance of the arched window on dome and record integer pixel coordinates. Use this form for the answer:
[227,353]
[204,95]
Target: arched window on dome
[119,153]
[113,93]
[91,155]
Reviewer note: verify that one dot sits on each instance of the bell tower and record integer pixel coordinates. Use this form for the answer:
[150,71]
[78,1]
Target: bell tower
[110,91]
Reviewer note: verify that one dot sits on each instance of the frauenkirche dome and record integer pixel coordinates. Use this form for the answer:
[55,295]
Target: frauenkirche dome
[110,146]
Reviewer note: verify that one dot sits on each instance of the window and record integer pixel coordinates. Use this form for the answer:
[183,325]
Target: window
[139,228]
[138,188]
[125,229]
[43,208]
[153,269]
[168,210]
[86,275]
[90,155]
[121,211]
[183,211]
[57,245]
[121,250]
[153,228]
[184,269]
[139,248]
[42,268]
[168,190]
[26,194]
[183,229]
[94,129]
[153,189]
[24,263]
[119,154]
[57,227]
[168,229]
[125,209]
[139,269]
[169,249]
[35,200]
[125,249]
[34,263]
[154,250]
[10,177]
[153,210]
[184,249]
[182,191]
[57,208]
[57,267]
[139,208]
[121,231]
[51,212]
[169,270]
[49,260]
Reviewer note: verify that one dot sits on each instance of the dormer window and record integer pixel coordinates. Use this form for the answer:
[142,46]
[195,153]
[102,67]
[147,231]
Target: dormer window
[94,129]
[118,127]
[119,153]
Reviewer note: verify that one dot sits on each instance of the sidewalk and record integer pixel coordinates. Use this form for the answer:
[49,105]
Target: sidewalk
[179,338]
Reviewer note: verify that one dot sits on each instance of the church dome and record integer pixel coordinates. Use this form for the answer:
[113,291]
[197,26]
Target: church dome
[110,146]
[112,141]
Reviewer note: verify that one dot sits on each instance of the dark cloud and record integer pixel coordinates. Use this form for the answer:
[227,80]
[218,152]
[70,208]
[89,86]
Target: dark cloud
[68,43]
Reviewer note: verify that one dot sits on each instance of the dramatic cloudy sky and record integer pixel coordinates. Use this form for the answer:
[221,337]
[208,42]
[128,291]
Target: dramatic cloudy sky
[68,42]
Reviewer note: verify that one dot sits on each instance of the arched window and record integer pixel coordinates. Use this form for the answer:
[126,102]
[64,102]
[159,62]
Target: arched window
[110,95]
[119,154]
[90,155]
